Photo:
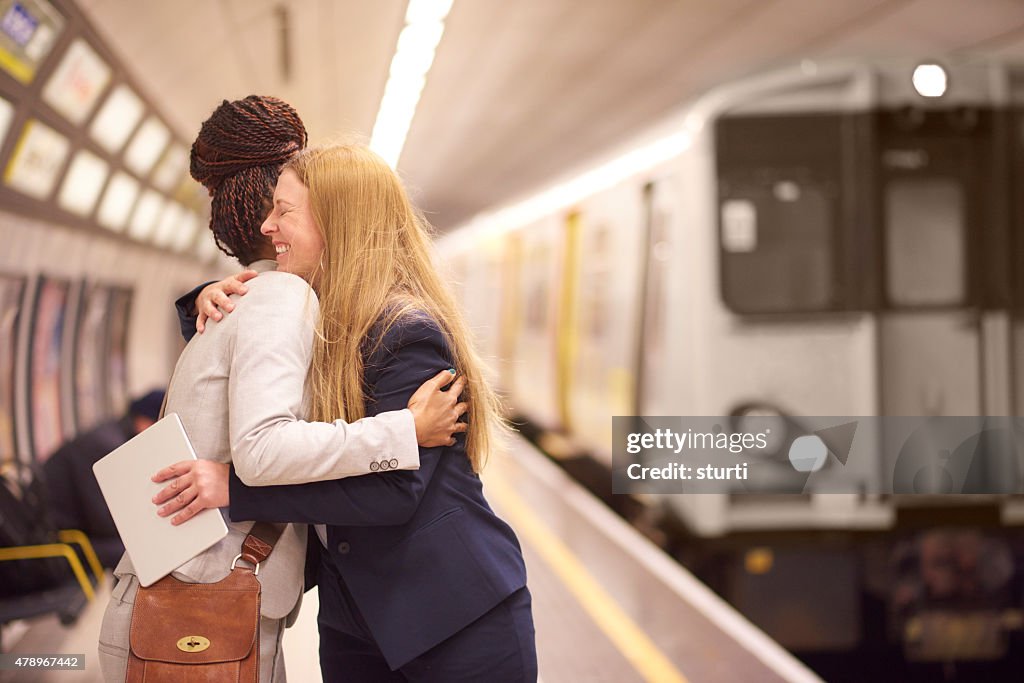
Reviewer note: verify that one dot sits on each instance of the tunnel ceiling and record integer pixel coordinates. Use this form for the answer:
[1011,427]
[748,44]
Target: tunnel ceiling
[519,91]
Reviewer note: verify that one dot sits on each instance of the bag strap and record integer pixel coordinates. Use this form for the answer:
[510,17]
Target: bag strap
[258,545]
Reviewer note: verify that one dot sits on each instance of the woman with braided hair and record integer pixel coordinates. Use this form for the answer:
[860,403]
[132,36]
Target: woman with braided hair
[239,387]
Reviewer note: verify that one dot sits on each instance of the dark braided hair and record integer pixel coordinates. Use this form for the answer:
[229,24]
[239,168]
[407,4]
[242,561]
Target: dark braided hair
[237,157]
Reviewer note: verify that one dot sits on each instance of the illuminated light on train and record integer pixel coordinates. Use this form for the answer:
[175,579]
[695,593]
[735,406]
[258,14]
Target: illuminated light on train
[930,80]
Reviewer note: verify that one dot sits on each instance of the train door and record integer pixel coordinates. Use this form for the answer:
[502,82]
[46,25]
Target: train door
[942,351]
[657,354]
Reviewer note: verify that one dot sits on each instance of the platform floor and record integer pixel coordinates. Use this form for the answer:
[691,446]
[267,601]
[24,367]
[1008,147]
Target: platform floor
[608,605]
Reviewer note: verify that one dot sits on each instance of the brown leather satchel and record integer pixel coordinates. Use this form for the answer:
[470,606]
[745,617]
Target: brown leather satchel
[203,632]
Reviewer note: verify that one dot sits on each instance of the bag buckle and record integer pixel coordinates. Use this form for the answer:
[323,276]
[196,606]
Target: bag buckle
[256,571]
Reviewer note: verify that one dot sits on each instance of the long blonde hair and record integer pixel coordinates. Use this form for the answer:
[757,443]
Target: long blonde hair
[376,270]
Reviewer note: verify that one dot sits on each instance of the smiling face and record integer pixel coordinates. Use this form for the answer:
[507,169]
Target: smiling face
[291,227]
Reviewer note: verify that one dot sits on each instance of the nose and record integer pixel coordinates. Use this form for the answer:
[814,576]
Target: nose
[268,224]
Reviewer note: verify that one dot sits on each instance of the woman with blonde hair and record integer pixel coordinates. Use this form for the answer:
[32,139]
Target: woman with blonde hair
[419,579]
[239,388]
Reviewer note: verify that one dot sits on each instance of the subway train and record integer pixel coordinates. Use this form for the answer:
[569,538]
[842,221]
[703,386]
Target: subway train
[833,239]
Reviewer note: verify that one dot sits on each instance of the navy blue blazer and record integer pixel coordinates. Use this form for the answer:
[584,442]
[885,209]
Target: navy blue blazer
[421,552]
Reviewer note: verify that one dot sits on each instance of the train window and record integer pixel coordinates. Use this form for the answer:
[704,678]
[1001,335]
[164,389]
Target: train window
[925,264]
[776,247]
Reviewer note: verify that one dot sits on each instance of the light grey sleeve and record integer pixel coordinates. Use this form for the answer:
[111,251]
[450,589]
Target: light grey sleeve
[270,357]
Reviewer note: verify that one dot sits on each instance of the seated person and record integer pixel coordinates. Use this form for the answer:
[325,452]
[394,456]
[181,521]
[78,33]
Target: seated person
[75,500]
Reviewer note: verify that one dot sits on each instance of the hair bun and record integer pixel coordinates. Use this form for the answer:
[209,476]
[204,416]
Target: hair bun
[245,134]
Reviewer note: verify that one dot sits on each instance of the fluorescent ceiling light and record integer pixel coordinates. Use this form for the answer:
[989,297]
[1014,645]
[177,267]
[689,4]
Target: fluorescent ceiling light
[427,10]
[569,193]
[407,77]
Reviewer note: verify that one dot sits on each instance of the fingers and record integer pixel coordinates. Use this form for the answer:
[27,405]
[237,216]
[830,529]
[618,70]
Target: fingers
[212,304]
[207,307]
[183,499]
[234,286]
[457,387]
[460,409]
[460,427]
[174,489]
[246,275]
[175,470]
[442,378]
[190,511]
[200,322]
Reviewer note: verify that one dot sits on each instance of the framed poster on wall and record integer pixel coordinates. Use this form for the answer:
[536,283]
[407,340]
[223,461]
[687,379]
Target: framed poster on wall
[77,83]
[47,339]
[37,160]
[28,31]
[12,289]
[91,361]
[119,318]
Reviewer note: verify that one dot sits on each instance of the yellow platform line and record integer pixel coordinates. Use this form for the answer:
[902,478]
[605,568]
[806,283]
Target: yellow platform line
[624,633]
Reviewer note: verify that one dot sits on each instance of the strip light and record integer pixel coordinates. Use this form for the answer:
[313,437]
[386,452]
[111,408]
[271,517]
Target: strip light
[569,192]
[424,26]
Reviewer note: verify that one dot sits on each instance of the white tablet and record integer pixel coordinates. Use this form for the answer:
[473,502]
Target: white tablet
[125,476]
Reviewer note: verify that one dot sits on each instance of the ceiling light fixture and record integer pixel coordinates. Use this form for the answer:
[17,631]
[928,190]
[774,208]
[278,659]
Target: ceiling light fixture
[424,26]
[930,80]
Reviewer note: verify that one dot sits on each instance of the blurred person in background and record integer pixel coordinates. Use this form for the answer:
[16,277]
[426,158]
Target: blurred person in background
[75,499]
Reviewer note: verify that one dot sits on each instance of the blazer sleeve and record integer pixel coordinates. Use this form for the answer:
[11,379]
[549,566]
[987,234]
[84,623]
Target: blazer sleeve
[187,313]
[272,348]
[409,354]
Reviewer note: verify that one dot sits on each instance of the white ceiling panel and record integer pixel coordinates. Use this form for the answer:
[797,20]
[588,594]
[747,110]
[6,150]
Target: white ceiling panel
[522,90]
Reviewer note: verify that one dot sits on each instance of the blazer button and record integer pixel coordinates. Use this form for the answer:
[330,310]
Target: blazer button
[343,548]
[374,466]
[393,463]
[384,465]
